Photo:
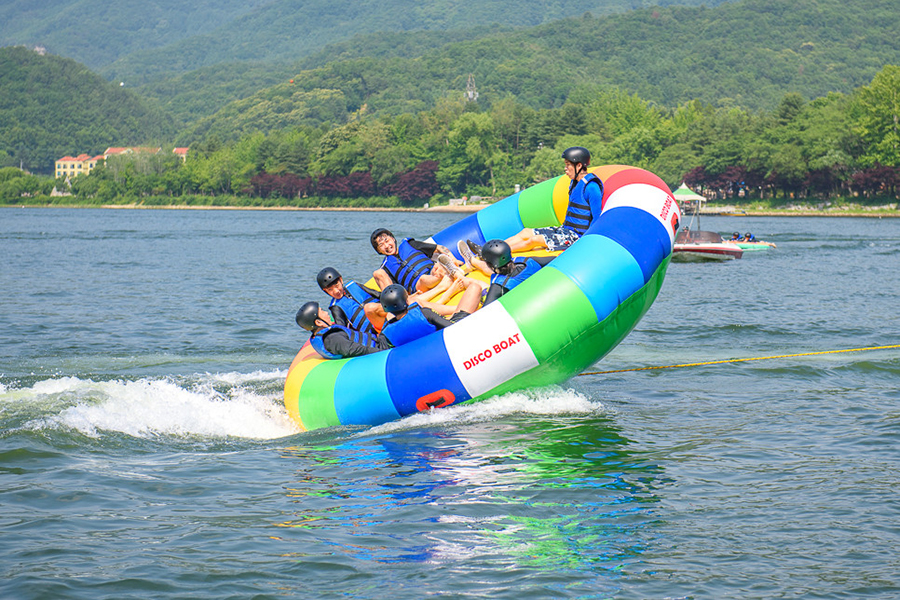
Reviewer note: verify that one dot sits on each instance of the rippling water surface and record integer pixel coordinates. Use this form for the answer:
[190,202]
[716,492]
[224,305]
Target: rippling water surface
[145,452]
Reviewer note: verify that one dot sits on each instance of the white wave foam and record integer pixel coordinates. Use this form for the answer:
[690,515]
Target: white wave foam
[153,407]
[237,379]
[50,387]
[538,401]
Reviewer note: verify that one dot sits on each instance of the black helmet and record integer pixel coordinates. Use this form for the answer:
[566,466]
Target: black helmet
[307,315]
[394,298]
[327,276]
[375,235]
[496,253]
[577,155]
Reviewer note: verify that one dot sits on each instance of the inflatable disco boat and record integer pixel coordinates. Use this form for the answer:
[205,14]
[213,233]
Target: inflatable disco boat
[561,320]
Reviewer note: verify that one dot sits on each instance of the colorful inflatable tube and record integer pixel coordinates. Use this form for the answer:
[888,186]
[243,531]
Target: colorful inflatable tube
[545,331]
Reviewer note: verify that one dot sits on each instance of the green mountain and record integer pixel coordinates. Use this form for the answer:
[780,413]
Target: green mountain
[196,94]
[749,53]
[52,106]
[177,36]
[98,33]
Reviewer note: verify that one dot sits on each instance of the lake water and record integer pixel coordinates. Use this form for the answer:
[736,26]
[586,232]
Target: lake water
[145,452]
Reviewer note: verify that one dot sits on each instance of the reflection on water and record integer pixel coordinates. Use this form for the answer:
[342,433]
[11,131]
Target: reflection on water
[541,493]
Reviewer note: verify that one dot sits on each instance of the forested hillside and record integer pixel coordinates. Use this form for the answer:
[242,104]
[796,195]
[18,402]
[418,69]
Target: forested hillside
[636,85]
[98,33]
[199,93]
[837,146]
[746,54]
[147,39]
[285,30]
[52,106]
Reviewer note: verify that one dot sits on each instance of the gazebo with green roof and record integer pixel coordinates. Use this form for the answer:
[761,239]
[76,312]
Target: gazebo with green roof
[686,196]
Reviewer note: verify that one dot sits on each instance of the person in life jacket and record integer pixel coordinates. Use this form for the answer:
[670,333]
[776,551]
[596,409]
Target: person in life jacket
[334,341]
[508,272]
[352,305]
[410,263]
[411,321]
[749,237]
[585,203]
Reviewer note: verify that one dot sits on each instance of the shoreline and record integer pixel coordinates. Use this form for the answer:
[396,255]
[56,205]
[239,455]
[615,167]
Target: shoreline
[473,208]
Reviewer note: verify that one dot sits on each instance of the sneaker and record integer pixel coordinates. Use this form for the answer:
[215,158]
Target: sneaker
[475,248]
[454,271]
[465,251]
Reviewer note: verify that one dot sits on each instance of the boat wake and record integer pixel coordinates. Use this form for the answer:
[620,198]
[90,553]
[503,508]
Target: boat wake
[230,405]
[204,405]
[545,401]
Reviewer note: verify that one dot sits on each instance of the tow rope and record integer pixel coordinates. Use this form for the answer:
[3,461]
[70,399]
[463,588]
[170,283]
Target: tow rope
[736,360]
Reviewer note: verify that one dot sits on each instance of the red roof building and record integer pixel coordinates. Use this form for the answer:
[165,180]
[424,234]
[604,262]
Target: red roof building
[132,150]
[68,166]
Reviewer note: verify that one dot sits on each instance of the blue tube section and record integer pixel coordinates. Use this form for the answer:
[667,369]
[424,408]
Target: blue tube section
[609,276]
[466,229]
[500,220]
[368,404]
[433,370]
[639,232]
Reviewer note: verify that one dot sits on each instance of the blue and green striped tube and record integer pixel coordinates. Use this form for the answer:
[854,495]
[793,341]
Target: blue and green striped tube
[548,329]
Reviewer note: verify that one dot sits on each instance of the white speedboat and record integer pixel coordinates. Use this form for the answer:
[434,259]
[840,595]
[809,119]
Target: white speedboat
[693,246]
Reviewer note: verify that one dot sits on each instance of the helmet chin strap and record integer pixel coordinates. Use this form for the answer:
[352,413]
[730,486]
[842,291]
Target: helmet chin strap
[578,170]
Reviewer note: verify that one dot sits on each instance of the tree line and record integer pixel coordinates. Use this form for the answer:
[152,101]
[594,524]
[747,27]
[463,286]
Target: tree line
[837,145]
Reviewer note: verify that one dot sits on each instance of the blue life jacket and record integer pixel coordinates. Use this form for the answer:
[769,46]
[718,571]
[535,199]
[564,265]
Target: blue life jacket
[407,268]
[360,337]
[353,306]
[411,327]
[580,212]
[510,281]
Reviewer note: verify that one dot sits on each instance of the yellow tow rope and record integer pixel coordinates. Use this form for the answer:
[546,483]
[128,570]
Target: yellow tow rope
[735,360]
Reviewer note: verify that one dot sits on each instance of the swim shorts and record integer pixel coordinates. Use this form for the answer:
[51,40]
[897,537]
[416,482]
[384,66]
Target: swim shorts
[459,316]
[557,238]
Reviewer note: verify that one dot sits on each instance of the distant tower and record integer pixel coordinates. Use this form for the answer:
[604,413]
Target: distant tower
[471,92]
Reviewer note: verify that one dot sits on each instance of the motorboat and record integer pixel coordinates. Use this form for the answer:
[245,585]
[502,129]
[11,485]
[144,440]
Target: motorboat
[696,245]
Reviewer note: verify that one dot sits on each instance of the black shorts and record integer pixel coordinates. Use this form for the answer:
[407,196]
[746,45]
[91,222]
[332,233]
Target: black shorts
[458,316]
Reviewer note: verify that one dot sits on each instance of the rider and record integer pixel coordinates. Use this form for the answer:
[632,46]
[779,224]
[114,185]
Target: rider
[412,321]
[352,304]
[411,263]
[333,340]
[508,272]
[585,204]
